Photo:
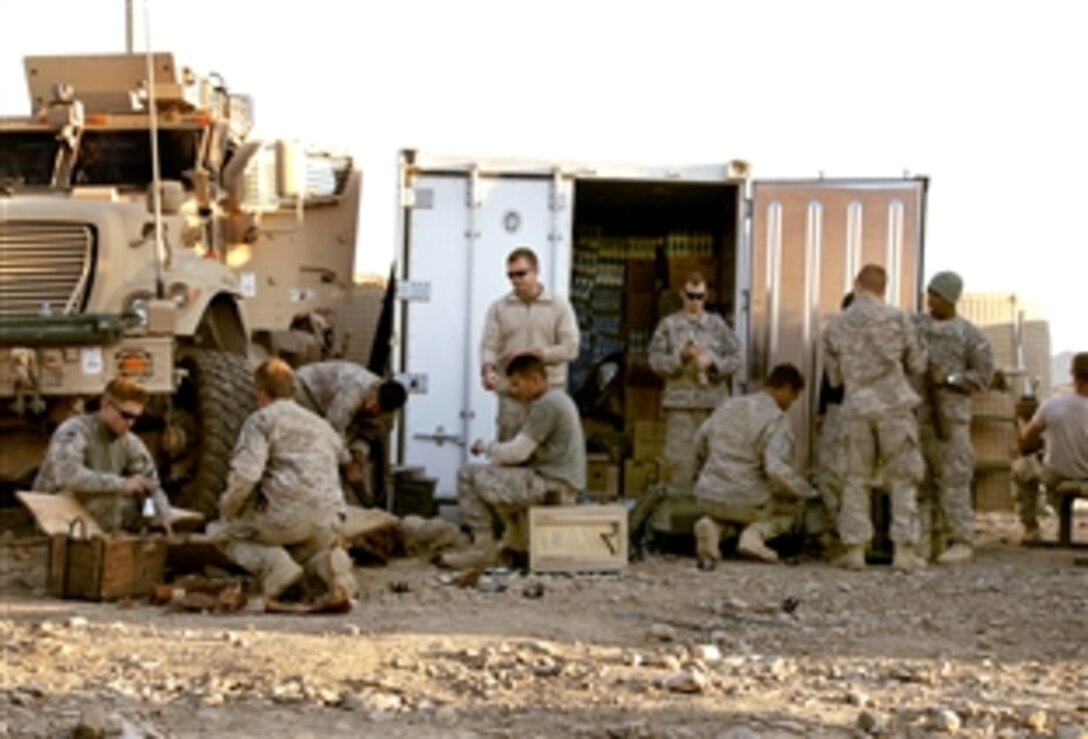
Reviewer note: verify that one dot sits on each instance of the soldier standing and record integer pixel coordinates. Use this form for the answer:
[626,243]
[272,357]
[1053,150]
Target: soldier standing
[528,320]
[960,362]
[98,459]
[871,349]
[546,459]
[357,404]
[696,353]
[283,504]
[748,476]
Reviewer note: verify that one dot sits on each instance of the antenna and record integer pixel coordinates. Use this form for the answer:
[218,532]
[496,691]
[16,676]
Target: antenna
[128,26]
[156,184]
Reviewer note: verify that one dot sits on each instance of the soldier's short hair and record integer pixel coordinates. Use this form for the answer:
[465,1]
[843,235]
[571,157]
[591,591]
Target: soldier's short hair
[1080,366]
[873,278]
[524,252]
[275,378]
[526,365]
[786,375]
[124,390]
[695,278]
[391,395]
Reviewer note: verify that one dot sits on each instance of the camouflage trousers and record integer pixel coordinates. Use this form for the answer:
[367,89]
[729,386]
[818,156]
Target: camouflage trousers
[259,542]
[510,418]
[680,427]
[890,443]
[832,463]
[1030,474]
[778,516]
[488,491]
[944,497]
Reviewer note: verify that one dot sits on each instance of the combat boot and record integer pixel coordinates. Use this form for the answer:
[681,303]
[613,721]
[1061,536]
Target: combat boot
[278,578]
[906,559]
[853,558]
[751,544]
[708,536]
[956,554]
[483,553]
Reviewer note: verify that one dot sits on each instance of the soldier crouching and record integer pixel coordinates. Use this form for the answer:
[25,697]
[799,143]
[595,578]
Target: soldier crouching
[283,508]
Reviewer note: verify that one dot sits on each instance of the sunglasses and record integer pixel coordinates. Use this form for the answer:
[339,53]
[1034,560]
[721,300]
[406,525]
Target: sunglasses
[127,415]
[517,274]
[695,296]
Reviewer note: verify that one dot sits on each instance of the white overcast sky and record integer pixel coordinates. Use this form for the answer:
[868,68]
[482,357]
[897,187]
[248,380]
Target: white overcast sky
[987,98]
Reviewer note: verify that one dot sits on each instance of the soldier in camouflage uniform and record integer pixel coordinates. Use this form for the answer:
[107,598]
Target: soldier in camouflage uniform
[545,461]
[98,459]
[358,405]
[530,319]
[696,353]
[871,349]
[745,451]
[960,363]
[283,507]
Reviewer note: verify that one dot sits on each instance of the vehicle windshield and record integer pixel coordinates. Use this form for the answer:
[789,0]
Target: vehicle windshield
[124,157]
[27,157]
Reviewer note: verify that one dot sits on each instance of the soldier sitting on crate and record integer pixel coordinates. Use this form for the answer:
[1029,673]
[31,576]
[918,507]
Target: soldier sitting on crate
[97,458]
[283,504]
[357,403]
[1064,421]
[745,450]
[544,461]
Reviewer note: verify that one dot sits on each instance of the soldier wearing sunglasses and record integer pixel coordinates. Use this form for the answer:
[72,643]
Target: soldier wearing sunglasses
[696,353]
[98,458]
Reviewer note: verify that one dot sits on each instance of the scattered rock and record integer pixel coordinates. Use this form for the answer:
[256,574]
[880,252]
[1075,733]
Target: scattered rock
[1036,720]
[92,724]
[947,721]
[635,729]
[75,622]
[1071,732]
[689,681]
[707,653]
[738,732]
[872,722]
[857,698]
[663,632]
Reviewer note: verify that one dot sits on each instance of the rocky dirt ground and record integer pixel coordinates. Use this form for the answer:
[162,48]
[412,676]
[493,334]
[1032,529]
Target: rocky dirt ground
[997,647]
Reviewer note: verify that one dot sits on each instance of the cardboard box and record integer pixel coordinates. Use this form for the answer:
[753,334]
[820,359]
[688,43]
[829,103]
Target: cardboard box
[649,440]
[589,538]
[637,476]
[602,476]
[641,404]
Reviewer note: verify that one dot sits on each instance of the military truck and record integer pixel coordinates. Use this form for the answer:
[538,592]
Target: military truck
[243,248]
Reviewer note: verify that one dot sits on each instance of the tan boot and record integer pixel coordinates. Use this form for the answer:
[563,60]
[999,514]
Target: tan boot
[751,544]
[956,554]
[708,536]
[906,559]
[283,573]
[853,558]
[483,553]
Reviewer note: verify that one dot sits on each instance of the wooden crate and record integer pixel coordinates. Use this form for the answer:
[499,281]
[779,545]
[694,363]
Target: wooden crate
[637,476]
[993,490]
[106,568]
[589,538]
[649,440]
[602,476]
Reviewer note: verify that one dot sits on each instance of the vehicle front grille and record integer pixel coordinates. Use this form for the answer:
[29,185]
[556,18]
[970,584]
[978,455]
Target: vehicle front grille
[45,268]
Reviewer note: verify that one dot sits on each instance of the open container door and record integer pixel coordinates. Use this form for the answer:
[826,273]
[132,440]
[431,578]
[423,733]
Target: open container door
[808,241]
[460,221]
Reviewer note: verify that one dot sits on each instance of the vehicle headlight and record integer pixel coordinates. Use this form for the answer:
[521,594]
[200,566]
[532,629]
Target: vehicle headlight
[137,304]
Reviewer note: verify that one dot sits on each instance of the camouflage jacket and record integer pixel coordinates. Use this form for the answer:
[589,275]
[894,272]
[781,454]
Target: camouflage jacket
[872,349]
[334,390]
[285,464]
[84,455]
[955,346]
[746,452]
[684,388]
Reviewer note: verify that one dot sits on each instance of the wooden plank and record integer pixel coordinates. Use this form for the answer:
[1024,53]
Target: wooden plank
[54,512]
[578,538]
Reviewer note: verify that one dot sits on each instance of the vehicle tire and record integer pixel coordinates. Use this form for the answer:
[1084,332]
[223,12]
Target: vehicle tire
[215,397]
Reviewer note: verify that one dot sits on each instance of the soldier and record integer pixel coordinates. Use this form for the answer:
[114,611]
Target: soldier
[745,450]
[831,443]
[357,404]
[696,353]
[960,363]
[871,349]
[1064,420]
[283,504]
[97,458]
[545,461]
[528,320]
